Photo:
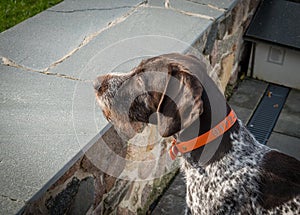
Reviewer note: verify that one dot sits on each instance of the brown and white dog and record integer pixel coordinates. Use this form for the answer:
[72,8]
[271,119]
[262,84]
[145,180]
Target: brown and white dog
[227,171]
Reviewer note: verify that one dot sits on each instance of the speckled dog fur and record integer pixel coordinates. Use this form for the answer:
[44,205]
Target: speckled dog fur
[231,185]
[233,174]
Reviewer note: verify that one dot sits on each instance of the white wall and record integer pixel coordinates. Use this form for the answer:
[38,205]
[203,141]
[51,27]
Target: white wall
[277,65]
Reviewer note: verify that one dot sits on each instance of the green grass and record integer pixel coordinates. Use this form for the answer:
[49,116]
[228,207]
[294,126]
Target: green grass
[14,11]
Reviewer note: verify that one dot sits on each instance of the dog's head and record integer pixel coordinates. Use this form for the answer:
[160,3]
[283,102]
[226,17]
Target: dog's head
[163,90]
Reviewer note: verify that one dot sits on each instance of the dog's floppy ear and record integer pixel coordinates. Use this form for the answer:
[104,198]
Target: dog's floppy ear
[181,103]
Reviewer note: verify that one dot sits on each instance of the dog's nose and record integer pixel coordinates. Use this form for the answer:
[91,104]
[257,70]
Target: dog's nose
[98,82]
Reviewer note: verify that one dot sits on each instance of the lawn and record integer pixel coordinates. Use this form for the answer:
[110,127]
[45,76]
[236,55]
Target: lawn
[14,11]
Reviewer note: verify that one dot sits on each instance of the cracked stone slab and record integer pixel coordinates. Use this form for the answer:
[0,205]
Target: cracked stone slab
[225,4]
[289,118]
[42,128]
[175,193]
[74,6]
[191,7]
[45,38]
[147,32]
[244,102]
[287,144]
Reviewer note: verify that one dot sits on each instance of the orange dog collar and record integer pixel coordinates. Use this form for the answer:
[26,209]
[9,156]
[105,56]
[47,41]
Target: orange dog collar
[203,139]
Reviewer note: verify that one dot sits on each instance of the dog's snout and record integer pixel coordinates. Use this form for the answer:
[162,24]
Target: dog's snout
[98,82]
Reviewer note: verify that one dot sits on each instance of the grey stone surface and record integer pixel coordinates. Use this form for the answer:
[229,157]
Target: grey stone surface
[246,98]
[242,113]
[61,203]
[138,36]
[47,37]
[289,119]
[226,4]
[9,206]
[191,7]
[211,38]
[286,144]
[42,128]
[198,5]
[173,201]
[84,197]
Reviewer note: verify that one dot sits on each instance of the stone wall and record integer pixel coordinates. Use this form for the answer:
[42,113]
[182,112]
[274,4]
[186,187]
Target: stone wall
[132,187]
[223,43]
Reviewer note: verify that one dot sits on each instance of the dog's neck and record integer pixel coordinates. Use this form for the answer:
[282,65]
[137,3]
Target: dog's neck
[218,148]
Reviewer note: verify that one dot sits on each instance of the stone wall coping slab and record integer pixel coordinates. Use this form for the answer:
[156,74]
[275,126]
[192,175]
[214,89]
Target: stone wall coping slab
[49,117]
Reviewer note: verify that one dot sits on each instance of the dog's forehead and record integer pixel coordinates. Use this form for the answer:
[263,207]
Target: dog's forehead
[155,63]
[162,62]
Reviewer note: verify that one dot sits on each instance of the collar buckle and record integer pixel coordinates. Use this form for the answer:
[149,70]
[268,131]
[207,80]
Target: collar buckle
[173,151]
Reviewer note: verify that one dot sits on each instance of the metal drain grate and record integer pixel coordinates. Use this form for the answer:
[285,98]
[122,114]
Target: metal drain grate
[267,112]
